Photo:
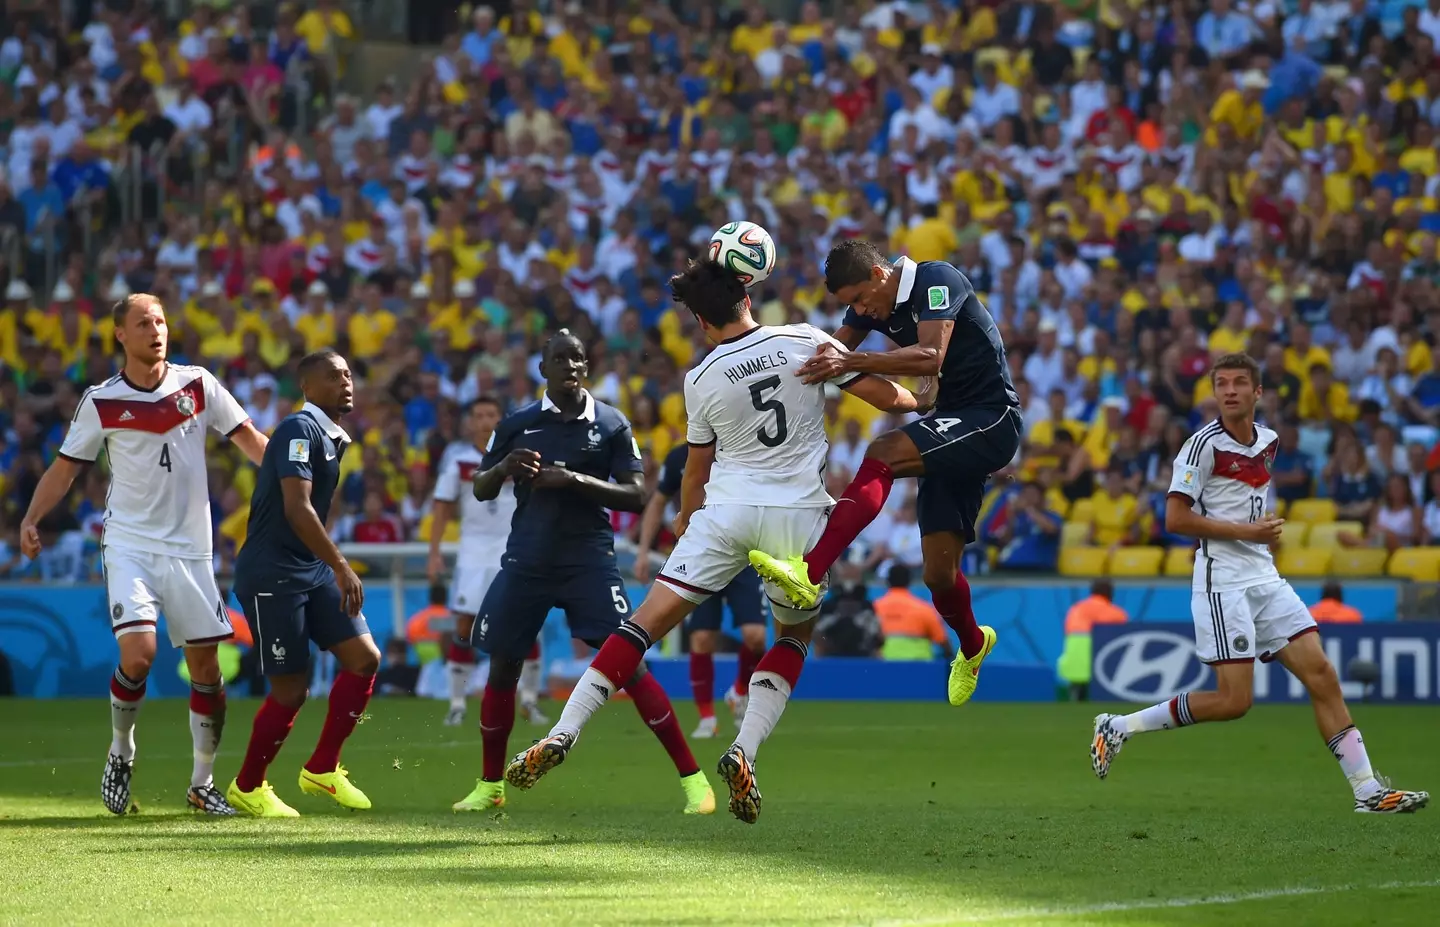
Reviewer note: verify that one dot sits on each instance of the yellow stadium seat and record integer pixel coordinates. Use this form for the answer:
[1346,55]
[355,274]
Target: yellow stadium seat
[1281,507]
[1304,561]
[1082,510]
[1083,561]
[1074,534]
[1359,561]
[1294,533]
[1421,564]
[1329,535]
[1312,511]
[452,529]
[1136,561]
[1180,561]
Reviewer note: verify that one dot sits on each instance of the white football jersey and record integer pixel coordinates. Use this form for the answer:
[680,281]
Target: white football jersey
[484,526]
[767,425]
[1228,481]
[159,498]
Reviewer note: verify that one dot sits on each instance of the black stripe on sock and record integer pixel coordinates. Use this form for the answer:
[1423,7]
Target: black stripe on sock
[1334,742]
[207,688]
[1182,708]
[127,682]
[802,648]
[634,635]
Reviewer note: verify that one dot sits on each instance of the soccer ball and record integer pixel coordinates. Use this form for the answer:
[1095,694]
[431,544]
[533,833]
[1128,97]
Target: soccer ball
[745,248]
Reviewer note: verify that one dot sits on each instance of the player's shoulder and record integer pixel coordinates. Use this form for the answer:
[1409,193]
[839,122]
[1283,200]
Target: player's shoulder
[1199,443]
[297,423]
[802,331]
[523,414]
[940,283]
[1264,437]
[609,417]
[104,389]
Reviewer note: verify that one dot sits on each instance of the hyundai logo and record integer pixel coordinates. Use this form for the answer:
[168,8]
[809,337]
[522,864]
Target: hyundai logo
[1149,666]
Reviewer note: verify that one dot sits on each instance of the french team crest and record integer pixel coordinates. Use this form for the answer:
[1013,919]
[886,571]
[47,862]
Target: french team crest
[185,404]
[593,437]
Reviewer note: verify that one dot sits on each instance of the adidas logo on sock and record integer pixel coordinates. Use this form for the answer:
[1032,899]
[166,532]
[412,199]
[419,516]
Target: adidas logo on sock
[604,692]
[765,684]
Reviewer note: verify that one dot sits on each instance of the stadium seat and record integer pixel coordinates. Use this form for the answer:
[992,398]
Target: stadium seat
[1083,510]
[1328,535]
[1359,561]
[1421,564]
[1312,511]
[1304,561]
[1136,561]
[1294,533]
[1180,561]
[1083,561]
[1074,534]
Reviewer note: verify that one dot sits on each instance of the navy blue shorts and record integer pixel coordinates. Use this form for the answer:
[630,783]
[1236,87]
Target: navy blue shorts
[285,622]
[744,595]
[960,449]
[516,604]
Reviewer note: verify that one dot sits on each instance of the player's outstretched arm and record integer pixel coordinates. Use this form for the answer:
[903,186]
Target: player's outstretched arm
[692,488]
[1180,518]
[48,492]
[306,524]
[517,464]
[885,395]
[251,441]
[922,359]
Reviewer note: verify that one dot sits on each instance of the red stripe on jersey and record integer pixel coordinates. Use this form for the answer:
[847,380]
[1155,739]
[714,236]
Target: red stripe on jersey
[1252,470]
[468,469]
[157,417]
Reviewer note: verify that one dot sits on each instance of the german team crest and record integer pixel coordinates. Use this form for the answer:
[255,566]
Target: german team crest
[185,404]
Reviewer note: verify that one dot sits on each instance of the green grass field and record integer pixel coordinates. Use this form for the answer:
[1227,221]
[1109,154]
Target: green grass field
[874,814]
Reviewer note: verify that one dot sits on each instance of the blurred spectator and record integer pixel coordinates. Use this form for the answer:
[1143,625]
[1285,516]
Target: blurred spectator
[911,626]
[847,626]
[1027,532]
[1331,609]
[397,676]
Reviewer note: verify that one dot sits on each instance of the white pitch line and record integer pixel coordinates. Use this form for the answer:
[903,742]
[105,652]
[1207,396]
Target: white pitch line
[349,748]
[1113,907]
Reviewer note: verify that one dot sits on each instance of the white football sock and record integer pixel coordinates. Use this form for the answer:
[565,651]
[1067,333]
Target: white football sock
[769,694]
[529,687]
[590,694]
[1349,748]
[205,733]
[1159,717]
[123,715]
[457,682]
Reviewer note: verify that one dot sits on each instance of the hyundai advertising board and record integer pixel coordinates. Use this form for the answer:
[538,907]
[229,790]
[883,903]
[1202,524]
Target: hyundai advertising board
[1151,661]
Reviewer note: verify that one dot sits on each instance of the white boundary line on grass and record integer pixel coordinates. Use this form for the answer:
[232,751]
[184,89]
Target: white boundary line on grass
[1115,907]
[349,748]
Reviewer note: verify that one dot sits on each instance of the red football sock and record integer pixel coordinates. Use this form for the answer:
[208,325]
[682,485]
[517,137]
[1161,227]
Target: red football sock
[857,507]
[534,652]
[497,719]
[744,669]
[702,682]
[786,659]
[272,725]
[620,655]
[655,708]
[459,653]
[348,697]
[954,606]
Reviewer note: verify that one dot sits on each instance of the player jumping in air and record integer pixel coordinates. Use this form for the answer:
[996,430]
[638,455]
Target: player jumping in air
[296,588]
[931,310]
[151,420]
[483,529]
[745,595]
[755,476]
[1243,610]
[562,453]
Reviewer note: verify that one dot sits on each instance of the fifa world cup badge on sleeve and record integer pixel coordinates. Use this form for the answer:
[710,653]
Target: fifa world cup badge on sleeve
[300,450]
[1189,478]
[938,297]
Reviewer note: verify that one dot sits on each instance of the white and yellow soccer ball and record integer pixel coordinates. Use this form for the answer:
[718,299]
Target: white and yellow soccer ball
[745,248]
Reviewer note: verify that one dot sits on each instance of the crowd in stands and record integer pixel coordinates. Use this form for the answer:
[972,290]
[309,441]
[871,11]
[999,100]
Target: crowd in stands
[1133,186]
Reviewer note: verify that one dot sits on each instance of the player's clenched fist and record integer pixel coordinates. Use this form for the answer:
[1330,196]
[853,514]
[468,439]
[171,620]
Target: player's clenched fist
[30,540]
[521,463]
[826,363]
[1267,530]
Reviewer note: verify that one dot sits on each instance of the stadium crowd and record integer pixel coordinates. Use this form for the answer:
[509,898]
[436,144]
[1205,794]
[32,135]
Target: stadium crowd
[1133,186]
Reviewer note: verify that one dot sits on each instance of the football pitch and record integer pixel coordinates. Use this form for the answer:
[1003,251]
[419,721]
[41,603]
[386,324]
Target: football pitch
[874,814]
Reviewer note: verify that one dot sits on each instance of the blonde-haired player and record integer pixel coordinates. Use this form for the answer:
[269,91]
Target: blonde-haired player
[1243,609]
[151,420]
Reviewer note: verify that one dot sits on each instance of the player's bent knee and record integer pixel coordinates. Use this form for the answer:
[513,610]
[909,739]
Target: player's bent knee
[290,691]
[1322,681]
[505,674]
[1234,705]
[939,579]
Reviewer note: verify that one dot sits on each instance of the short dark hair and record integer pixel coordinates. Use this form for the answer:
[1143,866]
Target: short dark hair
[486,400]
[899,576]
[1332,590]
[1103,588]
[851,262]
[439,594]
[314,359]
[121,310]
[711,291]
[1236,361]
[563,334]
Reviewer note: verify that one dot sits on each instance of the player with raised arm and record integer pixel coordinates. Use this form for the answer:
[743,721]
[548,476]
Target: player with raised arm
[484,527]
[151,420]
[930,309]
[755,476]
[745,595]
[1243,609]
[562,454]
[295,588]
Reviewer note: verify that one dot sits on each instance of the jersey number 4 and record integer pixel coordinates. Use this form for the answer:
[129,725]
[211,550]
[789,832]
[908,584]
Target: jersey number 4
[165,456]
[769,405]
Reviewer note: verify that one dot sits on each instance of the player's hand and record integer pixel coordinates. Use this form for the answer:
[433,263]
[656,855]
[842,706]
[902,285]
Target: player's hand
[1267,530]
[825,364]
[30,540]
[553,478]
[641,572]
[352,591]
[435,566]
[682,522]
[521,463]
[926,390]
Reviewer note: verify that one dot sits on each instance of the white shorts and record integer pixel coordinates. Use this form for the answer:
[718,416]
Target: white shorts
[1246,624]
[467,589]
[143,585]
[717,545]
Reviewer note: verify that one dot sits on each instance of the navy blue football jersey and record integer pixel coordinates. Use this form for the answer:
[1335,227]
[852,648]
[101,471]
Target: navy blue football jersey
[307,445]
[974,371]
[562,527]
